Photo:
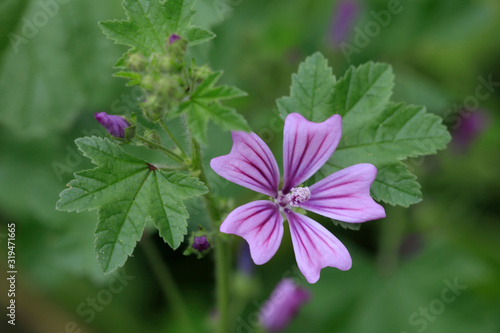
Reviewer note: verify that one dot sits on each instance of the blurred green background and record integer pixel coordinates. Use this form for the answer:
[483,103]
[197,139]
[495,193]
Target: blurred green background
[57,72]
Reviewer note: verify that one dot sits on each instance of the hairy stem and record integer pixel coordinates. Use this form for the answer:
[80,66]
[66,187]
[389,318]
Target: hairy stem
[391,234]
[221,249]
[166,151]
[172,137]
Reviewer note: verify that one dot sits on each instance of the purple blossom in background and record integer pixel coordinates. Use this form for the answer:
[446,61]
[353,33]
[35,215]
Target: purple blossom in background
[346,13]
[245,264]
[173,38]
[411,245]
[283,305]
[201,243]
[115,125]
[344,195]
[471,126]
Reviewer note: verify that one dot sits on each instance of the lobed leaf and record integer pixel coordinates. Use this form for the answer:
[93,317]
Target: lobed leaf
[204,105]
[150,22]
[128,192]
[311,93]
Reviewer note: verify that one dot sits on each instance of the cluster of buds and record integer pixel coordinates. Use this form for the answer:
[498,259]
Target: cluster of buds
[161,76]
[165,80]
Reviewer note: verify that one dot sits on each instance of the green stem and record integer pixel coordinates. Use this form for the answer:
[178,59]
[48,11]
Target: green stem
[391,233]
[221,249]
[167,283]
[172,137]
[166,151]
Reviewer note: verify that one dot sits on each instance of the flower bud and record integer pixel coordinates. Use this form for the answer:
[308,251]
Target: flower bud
[115,125]
[176,46]
[201,243]
[153,136]
[148,82]
[173,38]
[165,64]
[198,74]
[136,62]
[152,108]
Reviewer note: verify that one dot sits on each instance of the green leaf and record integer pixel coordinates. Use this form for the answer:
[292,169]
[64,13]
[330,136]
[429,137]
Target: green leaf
[363,89]
[347,226]
[396,185]
[197,35]
[135,78]
[128,192]
[311,93]
[204,105]
[390,134]
[374,130]
[151,22]
[384,137]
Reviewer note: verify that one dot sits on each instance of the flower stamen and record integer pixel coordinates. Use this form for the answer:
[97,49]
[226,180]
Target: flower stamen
[298,195]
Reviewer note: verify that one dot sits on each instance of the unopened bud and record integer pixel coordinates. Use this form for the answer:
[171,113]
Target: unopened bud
[152,136]
[201,243]
[198,74]
[136,62]
[173,38]
[115,125]
[152,108]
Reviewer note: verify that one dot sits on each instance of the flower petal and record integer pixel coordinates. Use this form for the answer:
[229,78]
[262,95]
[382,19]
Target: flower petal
[345,195]
[250,164]
[260,223]
[307,146]
[315,247]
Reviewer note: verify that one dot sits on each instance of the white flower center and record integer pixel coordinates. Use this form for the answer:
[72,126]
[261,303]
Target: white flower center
[296,197]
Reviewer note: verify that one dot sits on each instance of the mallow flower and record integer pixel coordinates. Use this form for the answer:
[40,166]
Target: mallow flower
[344,195]
[283,305]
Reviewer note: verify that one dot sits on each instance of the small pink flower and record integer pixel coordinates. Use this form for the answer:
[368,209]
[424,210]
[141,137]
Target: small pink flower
[344,195]
[115,125]
[283,305]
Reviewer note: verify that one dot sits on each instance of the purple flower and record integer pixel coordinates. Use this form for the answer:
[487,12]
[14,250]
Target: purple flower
[283,305]
[346,13]
[471,126]
[115,125]
[173,38]
[201,243]
[344,195]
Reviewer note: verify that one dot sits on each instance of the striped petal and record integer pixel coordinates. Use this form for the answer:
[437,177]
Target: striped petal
[307,146]
[315,247]
[250,164]
[260,223]
[345,195]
